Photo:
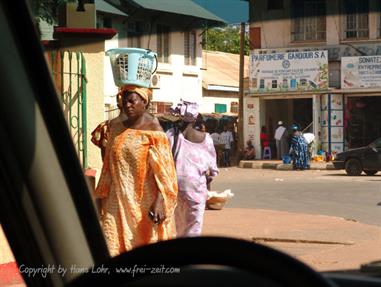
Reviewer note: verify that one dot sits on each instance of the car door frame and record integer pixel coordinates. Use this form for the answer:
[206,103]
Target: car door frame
[44,196]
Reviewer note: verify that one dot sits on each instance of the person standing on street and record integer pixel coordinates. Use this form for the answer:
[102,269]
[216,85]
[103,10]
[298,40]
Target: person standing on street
[281,138]
[298,149]
[226,139]
[137,188]
[195,160]
[265,143]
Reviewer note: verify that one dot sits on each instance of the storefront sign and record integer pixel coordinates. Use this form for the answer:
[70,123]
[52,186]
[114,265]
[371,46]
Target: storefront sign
[361,72]
[294,71]
[335,52]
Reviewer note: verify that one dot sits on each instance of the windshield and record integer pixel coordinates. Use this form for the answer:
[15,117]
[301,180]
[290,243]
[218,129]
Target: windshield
[224,117]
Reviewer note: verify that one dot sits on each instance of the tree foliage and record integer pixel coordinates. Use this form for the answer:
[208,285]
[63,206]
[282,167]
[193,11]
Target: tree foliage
[47,10]
[226,39]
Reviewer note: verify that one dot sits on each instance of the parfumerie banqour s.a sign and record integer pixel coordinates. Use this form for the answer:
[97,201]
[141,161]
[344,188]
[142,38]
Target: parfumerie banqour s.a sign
[292,71]
[361,72]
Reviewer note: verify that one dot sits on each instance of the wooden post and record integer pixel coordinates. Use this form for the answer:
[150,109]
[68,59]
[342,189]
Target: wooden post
[241,144]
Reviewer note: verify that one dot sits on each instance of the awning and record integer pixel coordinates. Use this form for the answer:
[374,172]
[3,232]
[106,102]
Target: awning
[182,7]
[105,7]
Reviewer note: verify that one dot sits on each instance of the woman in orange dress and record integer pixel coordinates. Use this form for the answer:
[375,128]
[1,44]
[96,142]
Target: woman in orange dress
[138,184]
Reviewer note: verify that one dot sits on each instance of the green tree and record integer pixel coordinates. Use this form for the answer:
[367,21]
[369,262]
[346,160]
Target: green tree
[47,10]
[225,39]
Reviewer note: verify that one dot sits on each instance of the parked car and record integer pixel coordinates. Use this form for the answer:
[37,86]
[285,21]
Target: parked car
[355,161]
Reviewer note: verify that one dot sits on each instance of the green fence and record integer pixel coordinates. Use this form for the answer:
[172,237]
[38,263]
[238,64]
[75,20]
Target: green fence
[69,74]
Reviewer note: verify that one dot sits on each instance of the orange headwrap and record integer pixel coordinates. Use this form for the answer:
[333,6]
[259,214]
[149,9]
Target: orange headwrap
[145,93]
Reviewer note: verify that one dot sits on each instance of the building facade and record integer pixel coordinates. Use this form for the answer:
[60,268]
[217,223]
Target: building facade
[316,63]
[174,32]
[220,82]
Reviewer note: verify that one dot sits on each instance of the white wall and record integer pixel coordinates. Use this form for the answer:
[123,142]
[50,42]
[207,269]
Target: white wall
[208,103]
[110,90]
[178,81]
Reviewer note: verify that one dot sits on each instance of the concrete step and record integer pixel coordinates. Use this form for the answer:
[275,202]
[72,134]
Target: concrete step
[278,165]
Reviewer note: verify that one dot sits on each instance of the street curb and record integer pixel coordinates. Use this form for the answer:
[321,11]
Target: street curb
[281,166]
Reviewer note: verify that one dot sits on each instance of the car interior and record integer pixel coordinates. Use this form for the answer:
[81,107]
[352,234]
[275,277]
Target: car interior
[49,216]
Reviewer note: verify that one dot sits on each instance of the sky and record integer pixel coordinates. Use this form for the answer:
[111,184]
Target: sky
[232,11]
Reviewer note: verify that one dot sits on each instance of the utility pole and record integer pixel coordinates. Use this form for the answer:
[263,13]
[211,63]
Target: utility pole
[241,144]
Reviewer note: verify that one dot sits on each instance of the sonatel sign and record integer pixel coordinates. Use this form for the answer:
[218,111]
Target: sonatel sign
[361,72]
[293,71]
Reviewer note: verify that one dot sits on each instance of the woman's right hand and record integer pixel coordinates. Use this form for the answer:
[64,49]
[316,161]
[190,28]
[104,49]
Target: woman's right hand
[157,210]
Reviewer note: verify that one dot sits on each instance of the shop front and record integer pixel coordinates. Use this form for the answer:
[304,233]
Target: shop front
[362,119]
[361,83]
[288,87]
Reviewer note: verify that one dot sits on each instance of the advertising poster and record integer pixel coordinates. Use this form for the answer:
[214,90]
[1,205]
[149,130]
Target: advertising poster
[324,135]
[337,118]
[337,134]
[292,71]
[324,103]
[336,102]
[337,147]
[324,118]
[360,72]
[251,119]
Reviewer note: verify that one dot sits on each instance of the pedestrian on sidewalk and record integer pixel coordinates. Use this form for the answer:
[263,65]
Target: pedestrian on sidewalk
[195,160]
[265,143]
[298,149]
[281,138]
[138,185]
[227,140]
[249,152]
[218,146]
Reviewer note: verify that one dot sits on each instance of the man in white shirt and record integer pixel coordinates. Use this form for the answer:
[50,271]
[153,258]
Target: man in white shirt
[281,138]
[226,138]
[216,138]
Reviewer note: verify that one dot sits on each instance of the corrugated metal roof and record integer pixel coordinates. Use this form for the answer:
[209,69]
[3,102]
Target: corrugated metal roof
[221,69]
[183,7]
[103,6]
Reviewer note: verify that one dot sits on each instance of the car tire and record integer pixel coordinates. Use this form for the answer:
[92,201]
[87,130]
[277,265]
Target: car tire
[353,167]
[370,172]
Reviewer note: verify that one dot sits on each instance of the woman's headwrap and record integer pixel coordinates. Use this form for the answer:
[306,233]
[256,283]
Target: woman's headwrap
[145,93]
[187,110]
[295,127]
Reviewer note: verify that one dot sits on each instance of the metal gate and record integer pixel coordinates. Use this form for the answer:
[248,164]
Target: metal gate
[69,74]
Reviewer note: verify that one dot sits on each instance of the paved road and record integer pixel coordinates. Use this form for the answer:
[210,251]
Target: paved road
[314,192]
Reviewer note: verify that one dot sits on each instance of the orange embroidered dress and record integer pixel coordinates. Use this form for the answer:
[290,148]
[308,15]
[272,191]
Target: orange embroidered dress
[138,165]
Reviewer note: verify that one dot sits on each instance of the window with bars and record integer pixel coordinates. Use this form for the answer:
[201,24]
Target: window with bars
[160,107]
[356,19]
[308,20]
[162,34]
[190,48]
[274,4]
[234,107]
[135,32]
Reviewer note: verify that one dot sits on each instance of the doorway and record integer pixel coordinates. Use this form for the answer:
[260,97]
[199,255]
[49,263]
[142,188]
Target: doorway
[362,120]
[288,111]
